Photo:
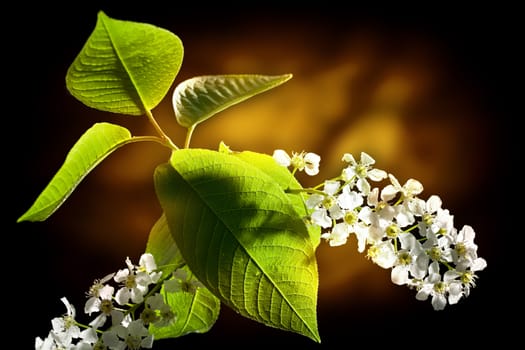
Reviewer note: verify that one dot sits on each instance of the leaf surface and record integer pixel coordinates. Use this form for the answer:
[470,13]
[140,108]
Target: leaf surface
[125,67]
[242,237]
[92,147]
[286,180]
[196,309]
[199,98]
[162,246]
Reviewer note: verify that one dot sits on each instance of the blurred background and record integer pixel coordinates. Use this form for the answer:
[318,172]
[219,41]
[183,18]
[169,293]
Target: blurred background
[422,90]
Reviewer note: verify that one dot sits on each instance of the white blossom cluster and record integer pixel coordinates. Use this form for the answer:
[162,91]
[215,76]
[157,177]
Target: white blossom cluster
[115,325]
[400,231]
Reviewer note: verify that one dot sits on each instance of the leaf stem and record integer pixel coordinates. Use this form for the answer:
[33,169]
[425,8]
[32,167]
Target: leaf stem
[304,190]
[162,134]
[150,138]
[188,136]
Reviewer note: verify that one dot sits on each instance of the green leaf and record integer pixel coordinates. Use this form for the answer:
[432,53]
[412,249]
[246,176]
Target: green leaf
[94,145]
[163,247]
[199,98]
[125,67]
[286,180]
[242,237]
[196,310]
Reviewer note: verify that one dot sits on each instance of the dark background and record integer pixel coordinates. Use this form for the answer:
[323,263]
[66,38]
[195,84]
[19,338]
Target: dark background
[425,91]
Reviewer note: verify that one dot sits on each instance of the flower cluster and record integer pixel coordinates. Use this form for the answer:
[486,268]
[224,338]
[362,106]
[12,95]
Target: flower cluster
[115,325]
[400,231]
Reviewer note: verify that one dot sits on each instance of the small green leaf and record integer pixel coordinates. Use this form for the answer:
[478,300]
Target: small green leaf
[125,67]
[196,310]
[163,247]
[94,145]
[241,235]
[199,98]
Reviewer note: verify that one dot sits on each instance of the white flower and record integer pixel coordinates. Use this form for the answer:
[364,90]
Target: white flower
[311,163]
[98,284]
[349,199]
[65,328]
[100,299]
[443,223]
[439,249]
[478,264]
[94,303]
[147,268]
[338,235]
[134,336]
[435,287]
[347,203]
[358,172]
[166,315]
[282,158]
[399,274]
[104,305]
[455,291]
[134,286]
[326,207]
[361,232]
[88,339]
[426,208]
[320,217]
[377,221]
[465,275]
[307,161]
[383,254]
[465,251]
[182,281]
[409,190]
[136,279]
[64,331]
[47,343]
[434,220]
[412,261]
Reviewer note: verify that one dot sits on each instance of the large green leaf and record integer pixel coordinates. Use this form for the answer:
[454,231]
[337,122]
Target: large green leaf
[94,145]
[197,309]
[125,67]
[199,98]
[240,234]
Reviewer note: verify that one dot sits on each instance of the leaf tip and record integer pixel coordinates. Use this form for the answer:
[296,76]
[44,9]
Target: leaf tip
[33,215]
[27,216]
[101,14]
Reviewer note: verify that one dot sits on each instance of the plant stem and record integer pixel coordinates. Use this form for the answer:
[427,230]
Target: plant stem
[162,134]
[188,136]
[304,190]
